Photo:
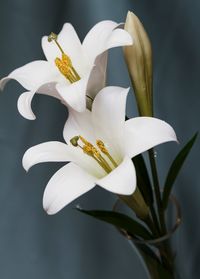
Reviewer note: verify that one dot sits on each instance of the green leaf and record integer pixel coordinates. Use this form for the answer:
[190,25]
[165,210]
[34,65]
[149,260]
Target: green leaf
[135,229]
[121,221]
[175,168]
[143,181]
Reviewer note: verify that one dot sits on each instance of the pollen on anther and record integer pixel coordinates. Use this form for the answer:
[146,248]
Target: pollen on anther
[62,66]
[101,146]
[88,150]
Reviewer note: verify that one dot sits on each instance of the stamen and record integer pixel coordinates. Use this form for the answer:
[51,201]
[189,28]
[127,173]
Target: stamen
[101,159]
[104,150]
[64,64]
[91,151]
[88,150]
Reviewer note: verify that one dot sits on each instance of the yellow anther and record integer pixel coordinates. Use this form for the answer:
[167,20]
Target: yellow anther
[102,147]
[66,59]
[105,151]
[88,150]
[63,68]
[96,152]
[85,141]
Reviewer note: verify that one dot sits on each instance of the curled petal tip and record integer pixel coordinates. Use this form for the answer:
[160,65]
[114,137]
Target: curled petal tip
[25,167]
[3,82]
[24,105]
[48,209]
[25,163]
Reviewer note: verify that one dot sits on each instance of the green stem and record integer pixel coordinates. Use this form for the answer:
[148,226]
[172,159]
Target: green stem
[155,218]
[165,249]
[167,257]
[151,225]
[157,191]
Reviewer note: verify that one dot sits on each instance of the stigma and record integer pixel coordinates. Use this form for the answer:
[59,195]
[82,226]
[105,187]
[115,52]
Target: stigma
[99,152]
[64,64]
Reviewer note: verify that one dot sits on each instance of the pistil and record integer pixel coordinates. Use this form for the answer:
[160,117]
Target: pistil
[64,64]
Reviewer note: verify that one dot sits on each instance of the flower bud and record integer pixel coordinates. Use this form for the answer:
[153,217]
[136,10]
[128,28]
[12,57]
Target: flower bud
[138,58]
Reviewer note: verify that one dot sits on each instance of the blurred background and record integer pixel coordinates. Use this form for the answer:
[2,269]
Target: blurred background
[69,244]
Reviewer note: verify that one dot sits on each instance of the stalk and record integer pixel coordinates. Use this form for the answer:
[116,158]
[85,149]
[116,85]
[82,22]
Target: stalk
[157,191]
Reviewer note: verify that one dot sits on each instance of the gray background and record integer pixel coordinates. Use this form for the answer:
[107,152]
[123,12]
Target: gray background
[70,245]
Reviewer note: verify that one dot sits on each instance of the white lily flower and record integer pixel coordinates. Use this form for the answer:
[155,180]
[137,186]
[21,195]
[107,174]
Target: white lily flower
[72,70]
[100,145]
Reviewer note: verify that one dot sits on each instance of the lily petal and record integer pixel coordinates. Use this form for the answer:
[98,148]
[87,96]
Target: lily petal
[121,180]
[119,37]
[79,124]
[143,133]
[55,151]
[74,94]
[32,75]
[97,79]
[25,99]
[101,38]
[24,105]
[49,89]
[67,184]
[108,113]
[70,44]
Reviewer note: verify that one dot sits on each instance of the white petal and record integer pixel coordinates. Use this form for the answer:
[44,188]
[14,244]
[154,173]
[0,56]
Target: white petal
[25,99]
[24,105]
[97,79]
[66,185]
[49,89]
[108,113]
[121,180]
[119,37]
[71,45]
[55,151]
[32,75]
[52,151]
[79,123]
[74,94]
[101,38]
[143,133]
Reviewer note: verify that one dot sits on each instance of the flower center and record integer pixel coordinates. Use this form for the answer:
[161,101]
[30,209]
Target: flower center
[64,64]
[96,153]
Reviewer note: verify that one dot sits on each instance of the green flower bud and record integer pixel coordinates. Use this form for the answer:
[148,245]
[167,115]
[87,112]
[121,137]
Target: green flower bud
[138,58]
